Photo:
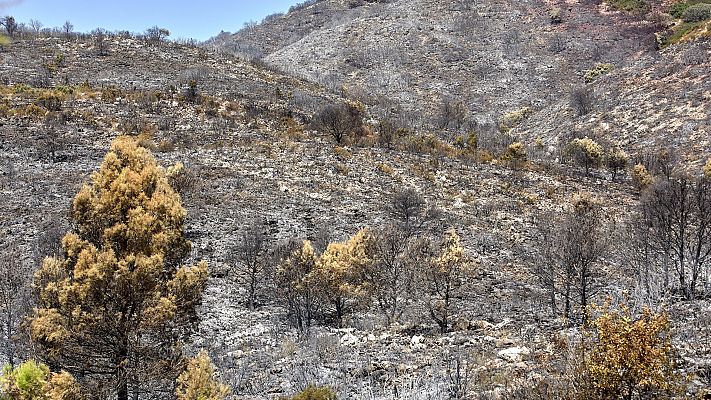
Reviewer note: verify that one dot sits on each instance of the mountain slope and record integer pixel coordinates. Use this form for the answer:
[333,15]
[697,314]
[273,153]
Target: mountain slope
[659,102]
[492,56]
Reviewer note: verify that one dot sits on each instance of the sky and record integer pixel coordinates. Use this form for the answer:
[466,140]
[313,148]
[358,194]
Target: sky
[200,19]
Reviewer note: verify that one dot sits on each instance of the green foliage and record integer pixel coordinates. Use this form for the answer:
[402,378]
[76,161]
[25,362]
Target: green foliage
[677,9]
[4,41]
[511,120]
[316,393]
[694,14]
[30,379]
[680,32]
[628,5]
[34,381]
[697,13]
[198,381]
[599,70]
[585,152]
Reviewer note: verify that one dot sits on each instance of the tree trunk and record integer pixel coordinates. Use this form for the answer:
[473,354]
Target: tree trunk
[122,374]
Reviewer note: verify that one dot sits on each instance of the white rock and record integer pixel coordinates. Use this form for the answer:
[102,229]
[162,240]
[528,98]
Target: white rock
[417,342]
[514,354]
[349,339]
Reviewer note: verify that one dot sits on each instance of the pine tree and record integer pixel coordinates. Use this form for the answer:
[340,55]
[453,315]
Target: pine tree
[444,278]
[114,309]
[198,381]
[341,269]
[296,285]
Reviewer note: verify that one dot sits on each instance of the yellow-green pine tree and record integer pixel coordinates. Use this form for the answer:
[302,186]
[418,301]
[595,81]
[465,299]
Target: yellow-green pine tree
[340,271]
[116,306]
[198,381]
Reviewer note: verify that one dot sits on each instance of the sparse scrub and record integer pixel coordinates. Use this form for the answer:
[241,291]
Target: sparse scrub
[641,177]
[427,144]
[444,277]
[385,168]
[340,121]
[586,153]
[50,101]
[110,94]
[616,161]
[315,393]
[295,287]
[515,154]
[628,5]
[556,15]
[582,101]
[600,69]
[513,119]
[697,13]
[677,9]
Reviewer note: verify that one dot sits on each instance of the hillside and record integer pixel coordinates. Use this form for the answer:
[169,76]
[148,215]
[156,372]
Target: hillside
[238,127]
[416,62]
[243,143]
[660,101]
[494,57]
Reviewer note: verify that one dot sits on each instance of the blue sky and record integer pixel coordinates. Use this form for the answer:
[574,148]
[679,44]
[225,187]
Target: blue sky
[200,19]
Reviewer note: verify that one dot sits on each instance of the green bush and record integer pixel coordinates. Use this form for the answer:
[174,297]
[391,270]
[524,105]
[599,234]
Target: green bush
[33,381]
[628,5]
[697,13]
[599,70]
[677,9]
[316,393]
[511,120]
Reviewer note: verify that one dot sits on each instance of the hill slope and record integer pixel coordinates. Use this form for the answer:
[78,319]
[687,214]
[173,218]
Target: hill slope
[492,56]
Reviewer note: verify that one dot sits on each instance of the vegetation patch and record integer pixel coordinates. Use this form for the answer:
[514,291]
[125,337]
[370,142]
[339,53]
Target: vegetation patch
[599,70]
[678,9]
[512,119]
[628,5]
[694,17]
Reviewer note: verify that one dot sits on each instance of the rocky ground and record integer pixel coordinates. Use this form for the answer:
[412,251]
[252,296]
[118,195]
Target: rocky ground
[265,163]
